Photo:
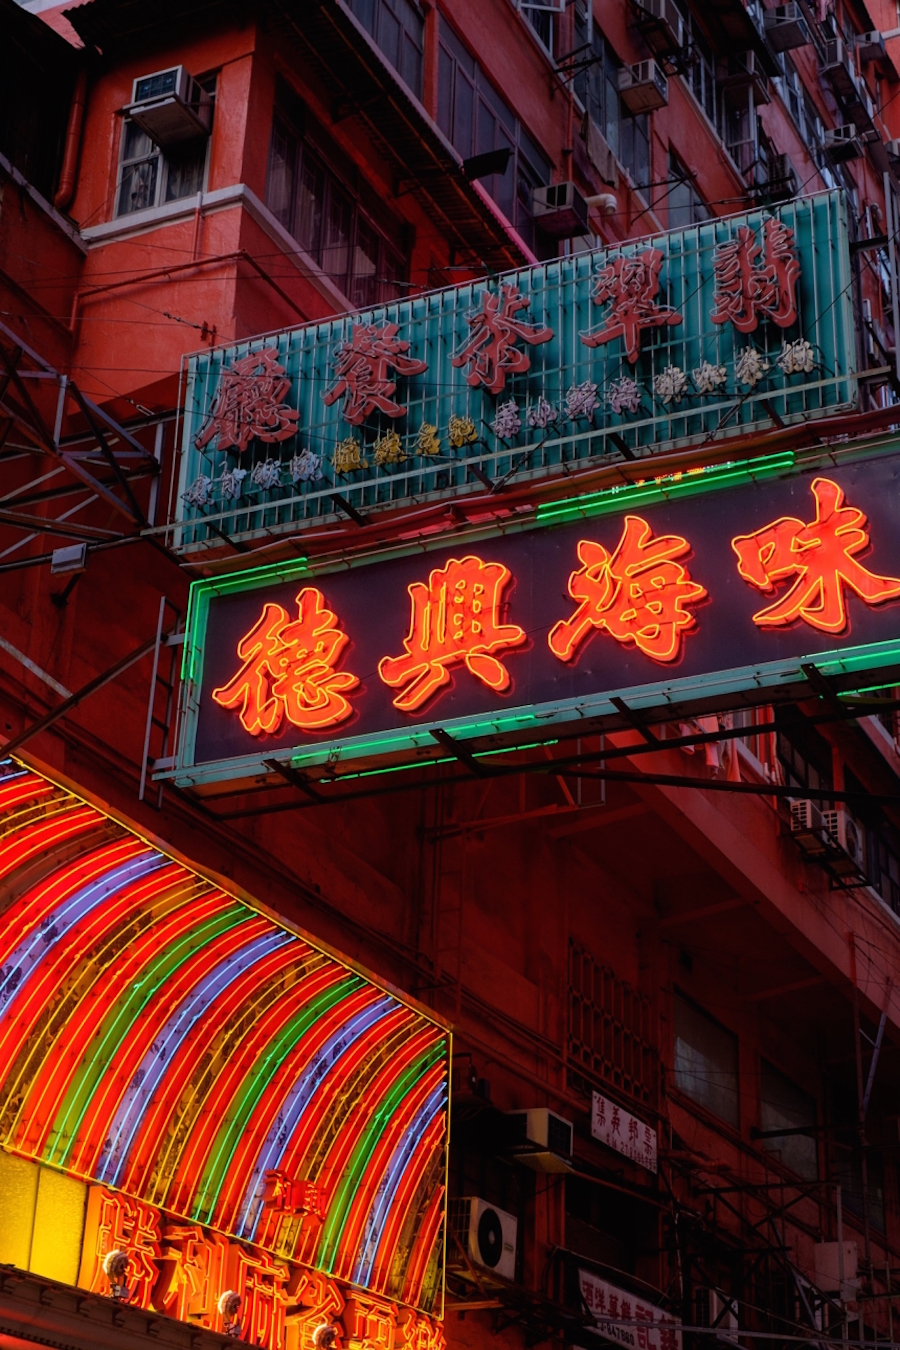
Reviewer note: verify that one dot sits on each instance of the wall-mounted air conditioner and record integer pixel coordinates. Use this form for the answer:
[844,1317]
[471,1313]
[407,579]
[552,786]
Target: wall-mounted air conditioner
[643,87]
[786,27]
[487,1234]
[870,46]
[714,1309]
[170,106]
[810,828]
[851,837]
[560,210]
[661,25]
[838,69]
[843,143]
[540,1138]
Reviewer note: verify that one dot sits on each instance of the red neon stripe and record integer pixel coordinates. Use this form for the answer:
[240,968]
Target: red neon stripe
[366,1193]
[30,910]
[37,994]
[105,1101]
[147,1151]
[271,1102]
[44,836]
[223,1089]
[23,790]
[421,1253]
[179,914]
[321,1105]
[416,1170]
[347,1137]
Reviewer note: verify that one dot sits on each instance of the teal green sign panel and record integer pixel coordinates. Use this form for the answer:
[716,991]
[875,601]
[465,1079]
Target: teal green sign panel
[665,342]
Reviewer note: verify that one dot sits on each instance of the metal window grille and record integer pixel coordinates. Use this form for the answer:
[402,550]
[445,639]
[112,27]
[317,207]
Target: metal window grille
[610,1035]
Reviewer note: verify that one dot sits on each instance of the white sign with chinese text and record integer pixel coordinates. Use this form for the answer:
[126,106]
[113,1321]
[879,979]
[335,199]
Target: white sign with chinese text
[620,1130]
[621,1317]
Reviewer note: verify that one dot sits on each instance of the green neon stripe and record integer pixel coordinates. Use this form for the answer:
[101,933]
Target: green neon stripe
[688,483]
[119,1022]
[202,590]
[341,1203]
[272,1056]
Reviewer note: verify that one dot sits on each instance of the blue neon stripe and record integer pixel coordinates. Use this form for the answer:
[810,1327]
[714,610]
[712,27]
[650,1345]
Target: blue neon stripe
[55,928]
[272,1150]
[139,1094]
[387,1189]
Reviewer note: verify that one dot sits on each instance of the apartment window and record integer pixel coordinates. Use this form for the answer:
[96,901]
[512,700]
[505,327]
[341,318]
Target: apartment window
[784,1106]
[706,1061]
[398,30]
[807,121]
[597,87]
[686,206]
[475,119]
[312,189]
[149,176]
[881,846]
[610,1030]
[804,756]
[701,73]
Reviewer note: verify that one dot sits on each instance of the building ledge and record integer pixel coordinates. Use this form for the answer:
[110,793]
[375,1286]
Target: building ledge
[66,226]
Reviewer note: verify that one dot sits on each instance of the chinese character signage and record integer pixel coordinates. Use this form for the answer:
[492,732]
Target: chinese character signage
[248,1112]
[628,1135]
[661,592]
[710,331]
[622,1317]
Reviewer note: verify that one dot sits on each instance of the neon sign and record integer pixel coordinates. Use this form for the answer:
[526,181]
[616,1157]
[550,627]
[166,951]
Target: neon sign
[166,1041]
[489,642]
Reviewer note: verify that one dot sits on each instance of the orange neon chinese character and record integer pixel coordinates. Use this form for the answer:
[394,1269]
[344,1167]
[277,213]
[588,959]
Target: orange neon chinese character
[289,670]
[822,557]
[631,286]
[638,594]
[191,1263]
[116,1222]
[262,1283]
[250,402]
[745,289]
[455,620]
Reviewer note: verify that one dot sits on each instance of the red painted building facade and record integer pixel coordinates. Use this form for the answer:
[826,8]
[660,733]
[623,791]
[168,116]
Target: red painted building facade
[602,942]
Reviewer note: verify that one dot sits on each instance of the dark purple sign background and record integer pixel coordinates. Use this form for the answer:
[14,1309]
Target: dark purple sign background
[373,607]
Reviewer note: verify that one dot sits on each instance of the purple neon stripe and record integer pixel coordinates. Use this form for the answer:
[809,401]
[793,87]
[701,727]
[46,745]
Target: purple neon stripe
[55,928]
[138,1097]
[393,1176]
[296,1102]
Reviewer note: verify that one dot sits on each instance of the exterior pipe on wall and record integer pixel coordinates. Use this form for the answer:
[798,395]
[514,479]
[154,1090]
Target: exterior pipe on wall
[66,189]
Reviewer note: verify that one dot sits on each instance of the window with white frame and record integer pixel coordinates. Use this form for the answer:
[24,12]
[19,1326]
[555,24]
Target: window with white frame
[596,85]
[540,15]
[150,176]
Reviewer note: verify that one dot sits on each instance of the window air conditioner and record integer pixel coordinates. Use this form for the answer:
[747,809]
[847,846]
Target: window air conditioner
[643,87]
[170,107]
[786,27]
[870,46]
[843,143]
[661,25]
[487,1235]
[851,837]
[540,1138]
[560,210]
[714,1309]
[810,828]
[837,67]
[782,183]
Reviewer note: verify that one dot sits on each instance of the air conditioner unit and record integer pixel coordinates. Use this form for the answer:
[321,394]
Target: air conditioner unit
[782,183]
[786,27]
[870,46]
[810,828]
[837,67]
[742,71]
[843,143]
[643,87]
[170,107]
[487,1235]
[540,1138]
[560,210]
[714,1309]
[851,837]
[661,25]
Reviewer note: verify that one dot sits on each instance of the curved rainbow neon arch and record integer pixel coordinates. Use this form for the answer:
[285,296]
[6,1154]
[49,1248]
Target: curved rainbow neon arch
[162,1037]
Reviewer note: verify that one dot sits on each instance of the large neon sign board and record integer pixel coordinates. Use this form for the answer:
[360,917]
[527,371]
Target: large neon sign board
[175,1049]
[658,343]
[544,626]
